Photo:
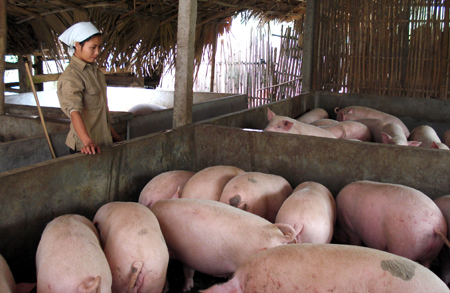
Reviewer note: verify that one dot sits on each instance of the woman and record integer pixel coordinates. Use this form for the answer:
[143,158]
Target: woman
[82,92]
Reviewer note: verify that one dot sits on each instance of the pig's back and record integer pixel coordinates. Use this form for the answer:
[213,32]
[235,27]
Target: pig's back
[204,233]
[209,182]
[330,267]
[69,253]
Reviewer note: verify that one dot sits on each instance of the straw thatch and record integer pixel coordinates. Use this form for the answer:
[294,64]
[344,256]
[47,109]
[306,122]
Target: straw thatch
[138,35]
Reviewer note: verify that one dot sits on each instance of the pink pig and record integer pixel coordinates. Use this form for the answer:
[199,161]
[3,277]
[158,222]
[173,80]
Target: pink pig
[164,186]
[385,132]
[209,182]
[311,211]
[443,203]
[349,130]
[69,258]
[313,115]
[324,122]
[258,193]
[134,246]
[215,238]
[392,133]
[428,137]
[390,217]
[289,125]
[358,112]
[329,268]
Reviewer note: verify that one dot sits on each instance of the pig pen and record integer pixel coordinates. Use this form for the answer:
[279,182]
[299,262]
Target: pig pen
[27,150]
[32,196]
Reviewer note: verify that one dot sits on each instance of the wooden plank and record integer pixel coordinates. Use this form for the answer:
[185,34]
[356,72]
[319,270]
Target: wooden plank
[3,37]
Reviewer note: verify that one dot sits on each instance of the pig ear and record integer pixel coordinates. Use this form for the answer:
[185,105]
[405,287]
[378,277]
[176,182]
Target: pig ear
[270,114]
[414,143]
[242,205]
[337,109]
[385,138]
[287,125]
[351,111]
[288,232]
[434,145]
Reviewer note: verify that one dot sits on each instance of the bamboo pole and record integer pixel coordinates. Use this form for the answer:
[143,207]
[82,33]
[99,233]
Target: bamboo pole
[3,34]
[443,74]
[39,109]
[213,59]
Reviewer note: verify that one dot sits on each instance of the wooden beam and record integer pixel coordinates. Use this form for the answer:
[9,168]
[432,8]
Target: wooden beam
[40,78]
[3,35]
[10,66]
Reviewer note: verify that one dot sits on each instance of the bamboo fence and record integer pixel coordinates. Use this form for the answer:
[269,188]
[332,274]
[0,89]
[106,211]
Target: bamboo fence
[264,72]
[383,47]
[257,67]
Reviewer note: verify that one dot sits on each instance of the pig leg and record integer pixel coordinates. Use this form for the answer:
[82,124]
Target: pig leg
[188,278]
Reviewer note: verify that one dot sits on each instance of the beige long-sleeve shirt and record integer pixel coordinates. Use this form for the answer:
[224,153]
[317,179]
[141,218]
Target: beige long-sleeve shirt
[82,87]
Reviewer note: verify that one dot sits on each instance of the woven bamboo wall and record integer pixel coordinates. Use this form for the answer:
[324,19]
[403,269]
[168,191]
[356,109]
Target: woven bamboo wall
[384,47]
[265,73]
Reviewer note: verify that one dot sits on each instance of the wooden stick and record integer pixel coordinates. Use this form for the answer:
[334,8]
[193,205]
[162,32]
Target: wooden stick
[283,83]
[39,109]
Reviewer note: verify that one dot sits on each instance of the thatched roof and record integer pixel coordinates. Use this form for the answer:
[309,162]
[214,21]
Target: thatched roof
[138,34]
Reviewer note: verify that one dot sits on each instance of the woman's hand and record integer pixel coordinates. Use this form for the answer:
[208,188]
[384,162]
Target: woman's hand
[90,149]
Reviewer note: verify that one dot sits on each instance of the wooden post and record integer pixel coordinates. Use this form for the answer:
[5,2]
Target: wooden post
[184,75]
[23,85]
[39,71]
[308,49]
[444,55]
[213,59]
[3,34]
